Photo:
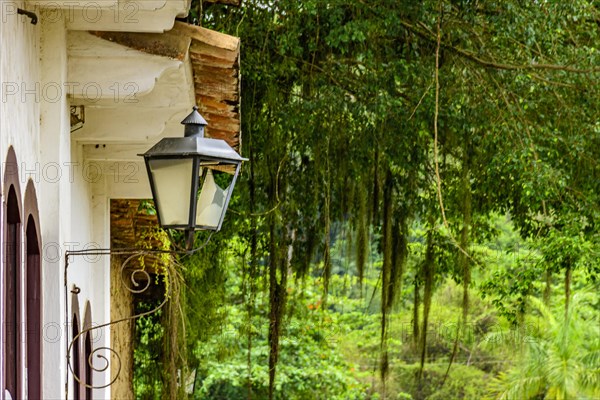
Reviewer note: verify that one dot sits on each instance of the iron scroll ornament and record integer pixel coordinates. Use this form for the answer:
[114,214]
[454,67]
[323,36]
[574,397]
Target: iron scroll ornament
[136,289]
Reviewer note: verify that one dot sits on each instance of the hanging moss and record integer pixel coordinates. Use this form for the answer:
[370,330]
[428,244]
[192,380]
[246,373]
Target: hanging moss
[348,251]
[464,259]
[327,249]
[307,250]
[399,256]
[326,269]
[362,237]
[275,306]
[376,189]
[174,340]
[568,279]
[387,283]
[416,328]
[464,262]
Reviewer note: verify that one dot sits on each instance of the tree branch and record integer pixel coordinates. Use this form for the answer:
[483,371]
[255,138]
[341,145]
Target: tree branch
[430,36]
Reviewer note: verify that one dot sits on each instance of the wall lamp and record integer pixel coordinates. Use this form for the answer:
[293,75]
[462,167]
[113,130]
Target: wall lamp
[192,178]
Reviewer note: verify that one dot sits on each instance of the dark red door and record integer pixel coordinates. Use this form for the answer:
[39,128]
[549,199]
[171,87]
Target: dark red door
[33,314]
[11,299]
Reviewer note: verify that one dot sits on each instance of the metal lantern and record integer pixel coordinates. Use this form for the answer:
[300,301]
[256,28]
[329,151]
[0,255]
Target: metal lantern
[192,178]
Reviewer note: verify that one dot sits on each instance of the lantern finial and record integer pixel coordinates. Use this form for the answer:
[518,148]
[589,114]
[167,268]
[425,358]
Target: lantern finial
[194,124]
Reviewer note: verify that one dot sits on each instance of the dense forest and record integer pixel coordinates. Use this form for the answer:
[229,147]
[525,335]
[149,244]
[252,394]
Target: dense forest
[420,215]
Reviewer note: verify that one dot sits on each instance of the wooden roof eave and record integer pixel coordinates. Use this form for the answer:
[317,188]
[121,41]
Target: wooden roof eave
[215,65]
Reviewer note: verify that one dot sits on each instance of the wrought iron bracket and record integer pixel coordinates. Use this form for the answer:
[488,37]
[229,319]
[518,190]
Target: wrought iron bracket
[133,285]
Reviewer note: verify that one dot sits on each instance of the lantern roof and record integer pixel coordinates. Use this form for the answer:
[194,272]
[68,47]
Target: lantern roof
[215,149]
[194,118]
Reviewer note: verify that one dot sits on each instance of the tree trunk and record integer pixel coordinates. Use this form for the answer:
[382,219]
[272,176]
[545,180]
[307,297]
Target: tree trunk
[399,254]
[253,266]
[464,261]
[416,305]
[278,273]
[274,303]
[429,272]
[362,237]
[387,284]
[548,288]
[327,250]
[375,205]
[568,274]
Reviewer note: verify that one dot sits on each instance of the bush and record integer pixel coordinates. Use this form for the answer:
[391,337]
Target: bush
[463,382]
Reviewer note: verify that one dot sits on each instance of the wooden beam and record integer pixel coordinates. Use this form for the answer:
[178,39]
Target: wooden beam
[204,49]
[169,44]
[215,65]
[207,36]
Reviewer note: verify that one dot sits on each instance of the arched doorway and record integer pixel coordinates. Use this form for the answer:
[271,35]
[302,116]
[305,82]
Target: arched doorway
[33,293]
[12,277]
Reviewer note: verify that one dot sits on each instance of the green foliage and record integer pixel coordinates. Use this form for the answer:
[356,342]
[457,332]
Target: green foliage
[562,360]
[463,382]
[311,366]
[148,361]
[341,116]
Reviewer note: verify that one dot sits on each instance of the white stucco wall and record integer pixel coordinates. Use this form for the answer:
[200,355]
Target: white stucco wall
[19,109]
[19,100]
[34,120]
[38,63]
[54,198]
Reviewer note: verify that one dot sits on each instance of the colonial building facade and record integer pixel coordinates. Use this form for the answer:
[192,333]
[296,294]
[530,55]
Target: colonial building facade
[85,87]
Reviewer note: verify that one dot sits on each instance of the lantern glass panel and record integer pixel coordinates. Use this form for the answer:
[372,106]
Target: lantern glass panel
[172,185]
[213,198]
